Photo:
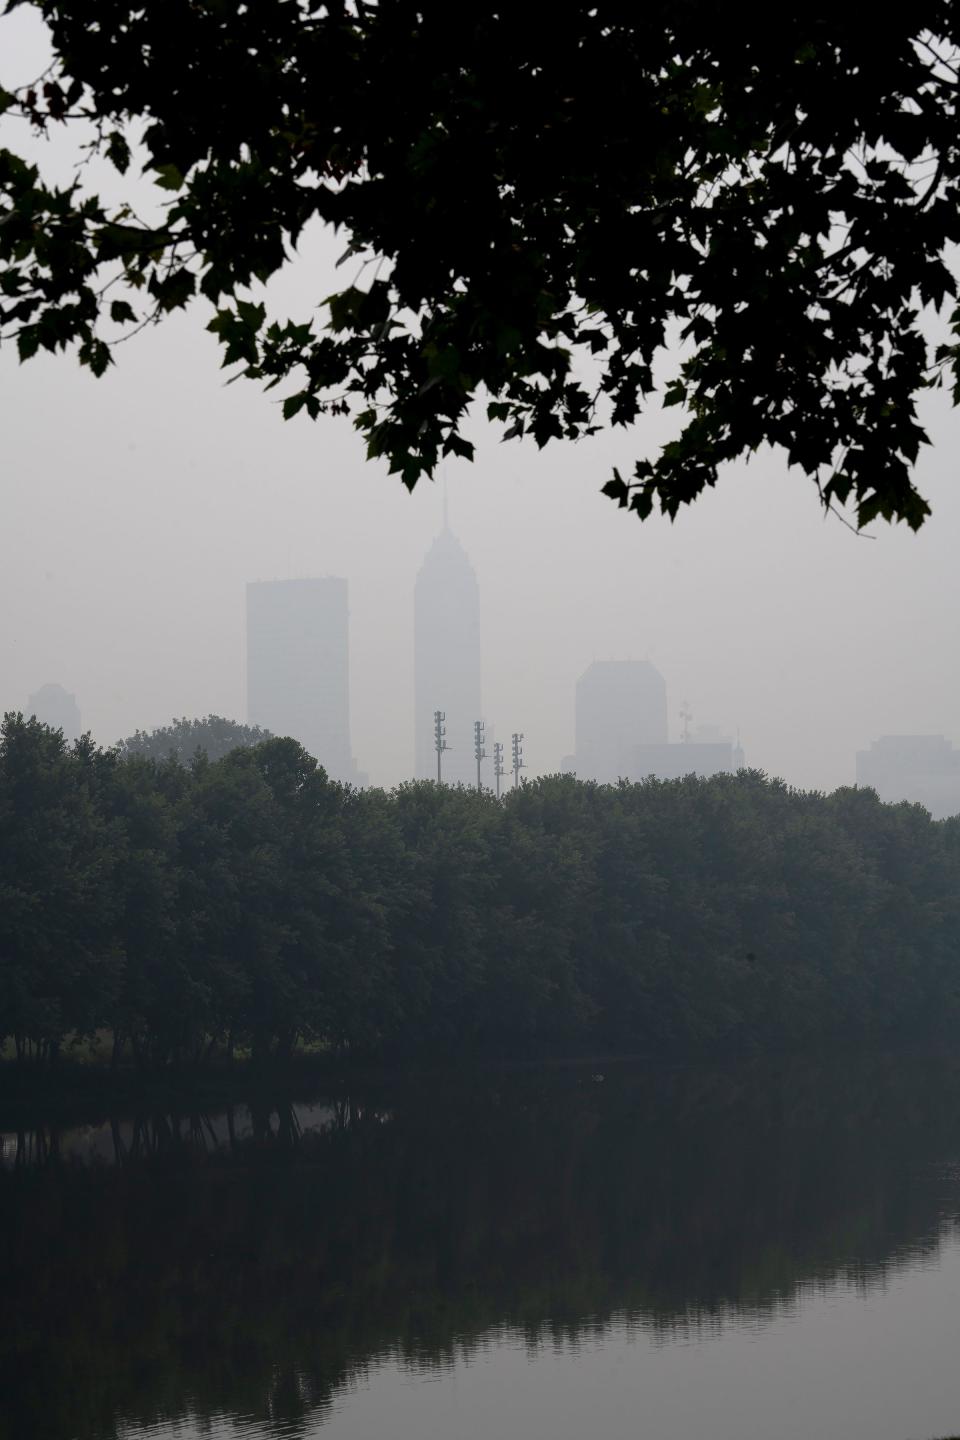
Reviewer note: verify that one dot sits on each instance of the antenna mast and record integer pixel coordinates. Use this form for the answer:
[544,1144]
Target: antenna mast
[517,749]
[478,750]
[439,738]
[499,769]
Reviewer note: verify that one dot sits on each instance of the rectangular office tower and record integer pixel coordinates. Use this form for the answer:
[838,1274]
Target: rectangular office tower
[298,666]
[446,660]
[620,704]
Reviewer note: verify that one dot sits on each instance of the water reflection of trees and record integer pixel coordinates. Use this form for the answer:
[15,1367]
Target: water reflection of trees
[254,1260]
[276,1126]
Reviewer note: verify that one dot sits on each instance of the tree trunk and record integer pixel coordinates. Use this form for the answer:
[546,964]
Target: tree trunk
[285,1043]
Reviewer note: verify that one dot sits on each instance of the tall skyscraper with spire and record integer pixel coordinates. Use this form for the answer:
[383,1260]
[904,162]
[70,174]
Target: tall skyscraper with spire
[446,658]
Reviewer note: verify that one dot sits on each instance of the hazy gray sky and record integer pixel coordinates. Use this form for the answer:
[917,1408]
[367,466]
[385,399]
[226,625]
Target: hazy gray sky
[136,507]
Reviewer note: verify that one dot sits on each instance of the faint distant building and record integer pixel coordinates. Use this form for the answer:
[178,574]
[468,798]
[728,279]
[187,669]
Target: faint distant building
[446,623]
[620,704]
[713,735]
[674,762]
[924,769]
[298,667]
[57,708]
[708,752]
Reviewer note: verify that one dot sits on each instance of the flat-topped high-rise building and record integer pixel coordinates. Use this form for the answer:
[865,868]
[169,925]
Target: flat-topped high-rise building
[620,704]
[298,666]
[446,660]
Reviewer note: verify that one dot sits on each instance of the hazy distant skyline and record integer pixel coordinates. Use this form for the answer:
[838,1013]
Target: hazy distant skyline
[138,507]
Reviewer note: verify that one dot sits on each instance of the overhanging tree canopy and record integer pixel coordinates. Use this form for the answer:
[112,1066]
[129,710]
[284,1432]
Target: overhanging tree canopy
[547,200]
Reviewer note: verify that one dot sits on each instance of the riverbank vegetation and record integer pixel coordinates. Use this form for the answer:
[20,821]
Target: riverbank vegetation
[252,906]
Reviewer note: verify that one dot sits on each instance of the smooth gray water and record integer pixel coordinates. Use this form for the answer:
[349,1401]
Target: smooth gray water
[740,1253]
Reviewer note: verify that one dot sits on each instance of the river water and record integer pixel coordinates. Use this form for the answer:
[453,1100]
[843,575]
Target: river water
[741,1252]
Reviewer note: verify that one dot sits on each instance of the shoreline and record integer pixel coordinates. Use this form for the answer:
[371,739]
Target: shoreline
[78,1092]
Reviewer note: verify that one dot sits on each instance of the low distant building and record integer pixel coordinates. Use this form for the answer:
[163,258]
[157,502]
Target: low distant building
[690,757]
[924,769]
[56,707]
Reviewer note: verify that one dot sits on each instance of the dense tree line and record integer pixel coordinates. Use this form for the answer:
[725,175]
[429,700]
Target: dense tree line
[252,904]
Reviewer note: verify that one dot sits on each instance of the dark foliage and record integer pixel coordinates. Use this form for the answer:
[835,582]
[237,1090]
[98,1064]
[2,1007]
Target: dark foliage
[544,203]
[253,903]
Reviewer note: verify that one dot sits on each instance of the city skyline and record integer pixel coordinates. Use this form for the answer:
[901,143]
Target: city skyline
[298,631]
[297,641]
[721,633]
[164,486]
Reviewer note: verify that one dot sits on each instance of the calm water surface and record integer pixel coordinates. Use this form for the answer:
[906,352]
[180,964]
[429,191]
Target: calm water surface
[742,1253]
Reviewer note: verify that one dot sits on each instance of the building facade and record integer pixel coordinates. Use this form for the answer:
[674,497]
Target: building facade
[446,625]
[924,769]
[620,704]
[298,667]
[704,752]
[693,757]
